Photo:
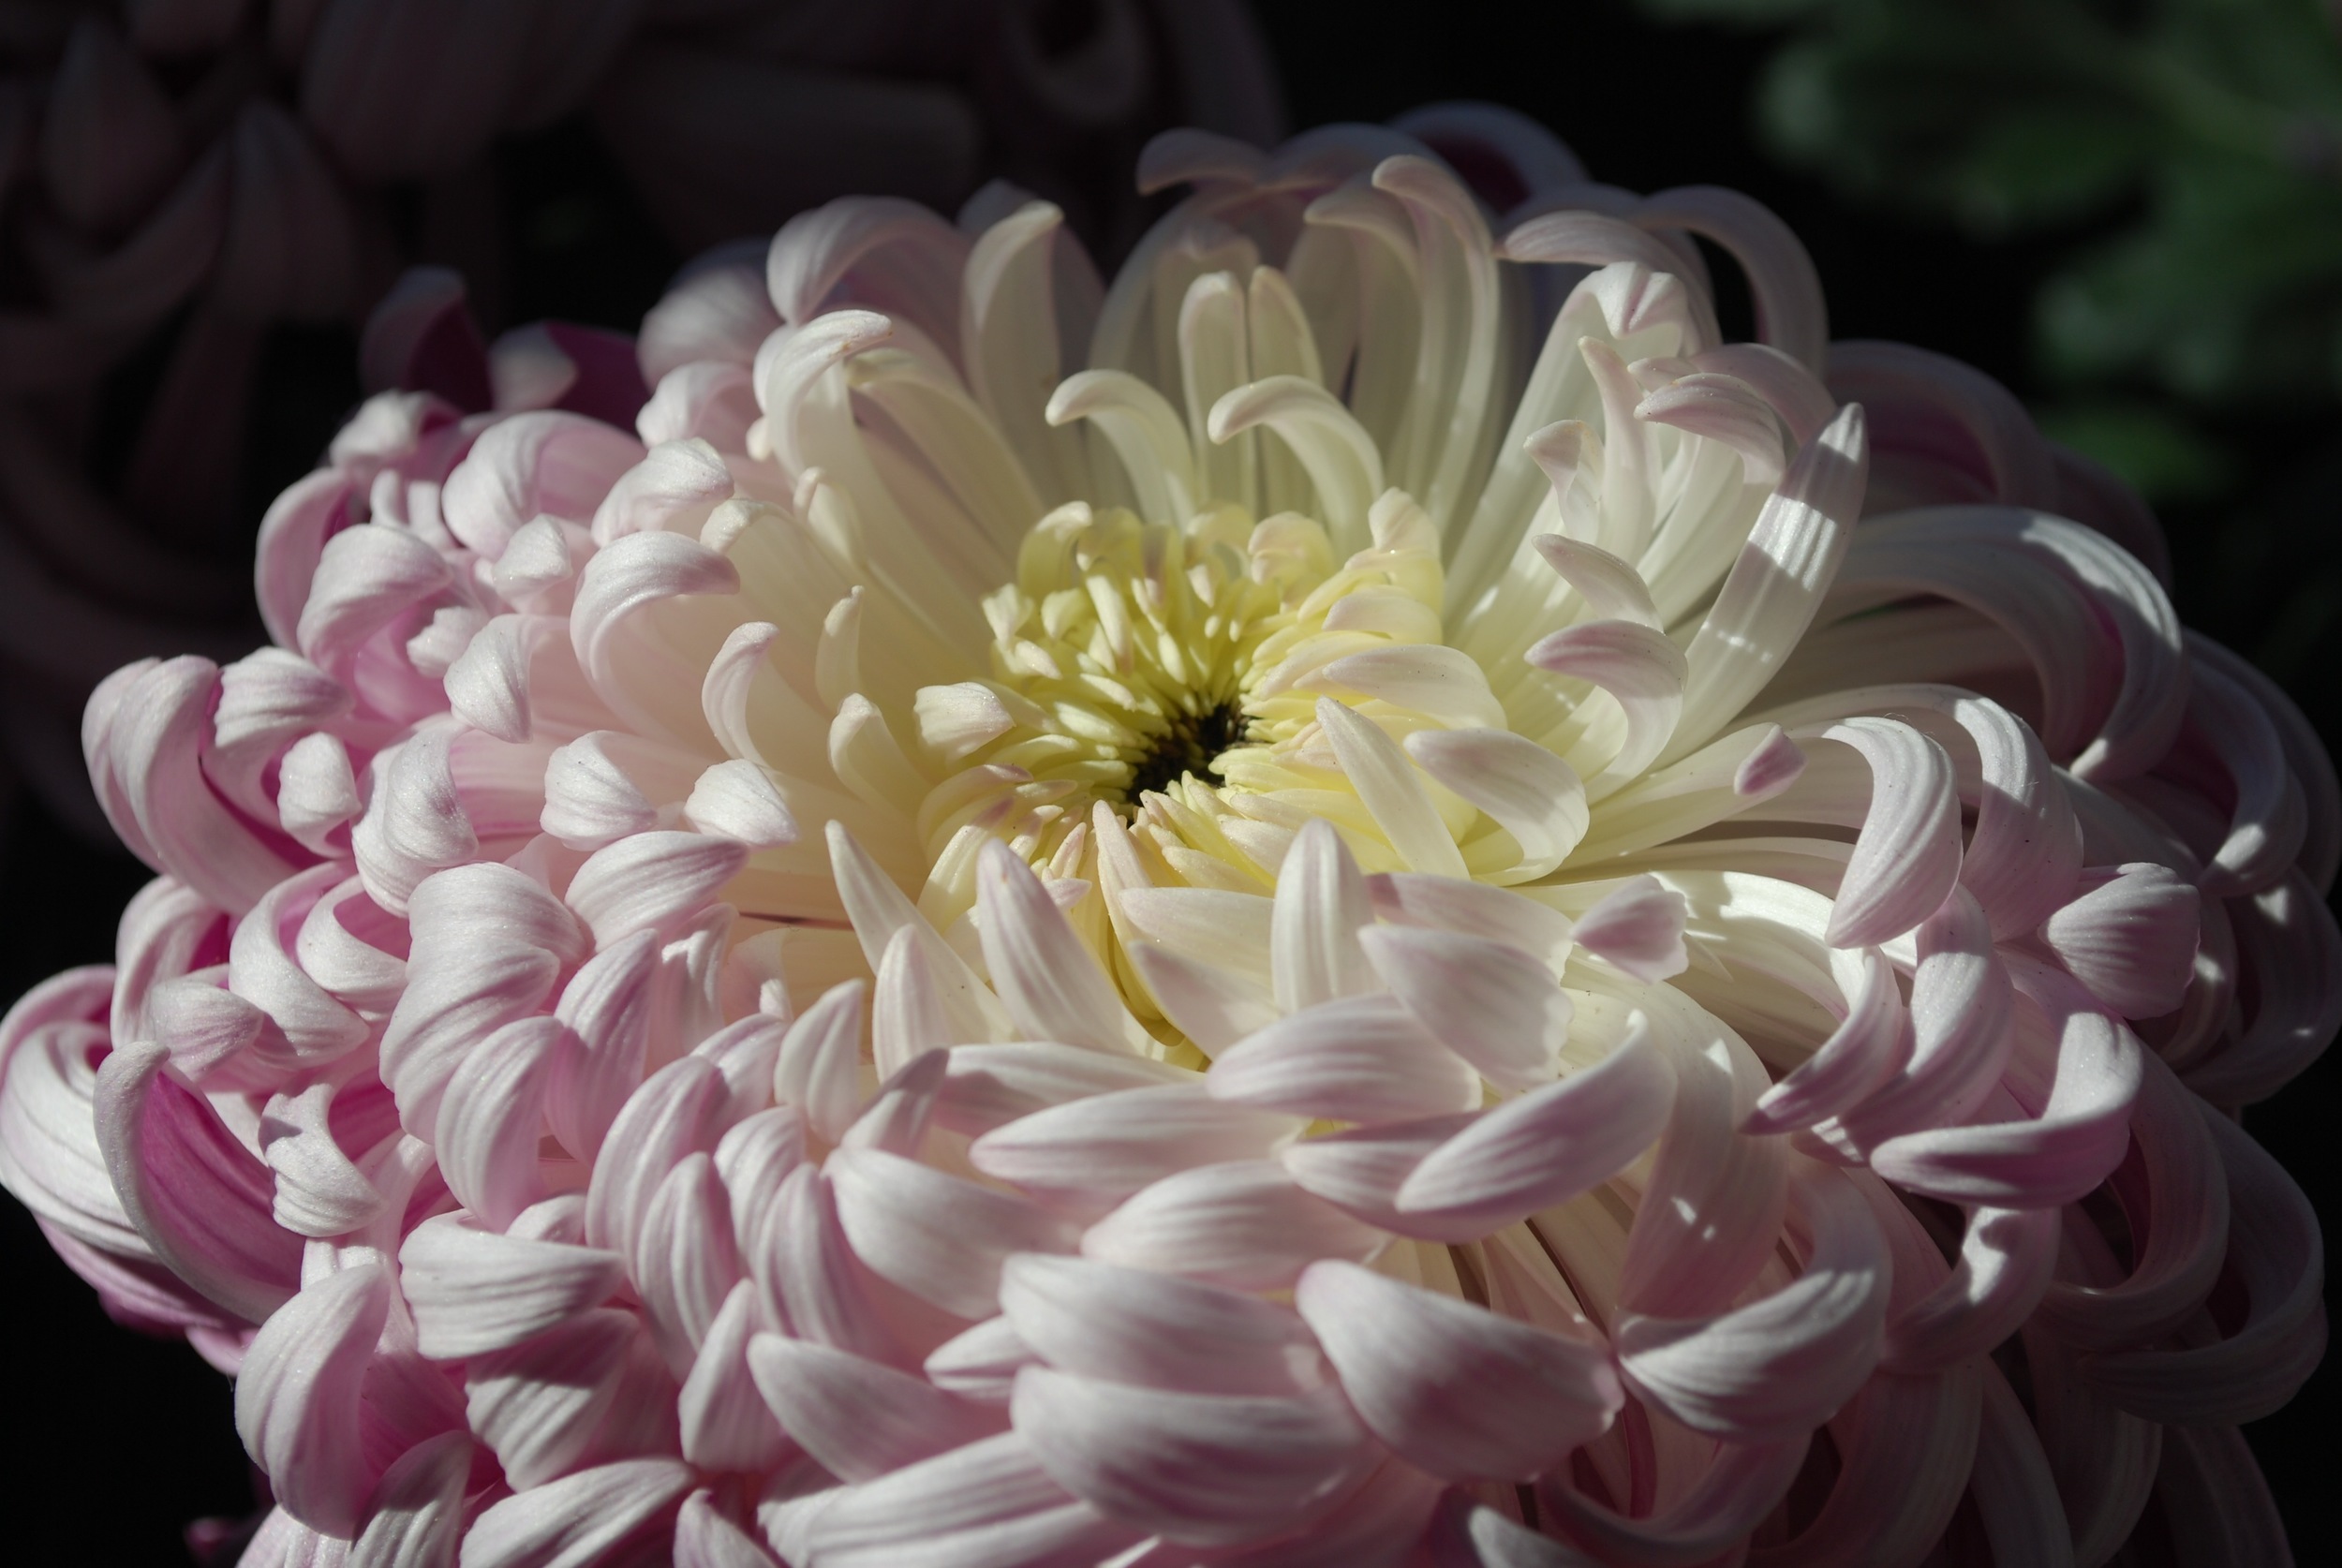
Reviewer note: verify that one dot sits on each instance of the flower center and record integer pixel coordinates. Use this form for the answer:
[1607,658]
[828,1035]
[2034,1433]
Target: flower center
[1125,659]
[1170,675]
[1190,744]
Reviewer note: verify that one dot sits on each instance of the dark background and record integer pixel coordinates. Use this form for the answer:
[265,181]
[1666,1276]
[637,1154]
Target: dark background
[117,1441]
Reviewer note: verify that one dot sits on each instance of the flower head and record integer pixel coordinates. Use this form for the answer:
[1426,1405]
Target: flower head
[1334,904]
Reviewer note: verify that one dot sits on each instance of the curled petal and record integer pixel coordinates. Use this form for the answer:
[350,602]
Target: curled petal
[1363,1058]
[2077,1136]
[1155,1330]
[1489,1003]
[988,1502]
[1549,1144]
[1245,1223]
[860,1419]
[1453,1388]
[1782,1363]
[2130,938]
[577,1519]
[473,1291]
[2004,1261]
[2277,1254]
[1907,856]
[416,1513]
[938,1236]
[297,1398]
[196,1193]
[1199,1469]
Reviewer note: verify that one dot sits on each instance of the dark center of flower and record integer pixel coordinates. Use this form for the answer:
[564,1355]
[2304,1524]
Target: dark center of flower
[1189,745]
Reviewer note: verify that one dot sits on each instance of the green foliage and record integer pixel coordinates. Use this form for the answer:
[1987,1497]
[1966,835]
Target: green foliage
[2181,163]
[2207,132]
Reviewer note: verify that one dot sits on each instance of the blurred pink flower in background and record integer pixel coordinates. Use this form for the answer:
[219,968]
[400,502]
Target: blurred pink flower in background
[1356,898]
[178,177]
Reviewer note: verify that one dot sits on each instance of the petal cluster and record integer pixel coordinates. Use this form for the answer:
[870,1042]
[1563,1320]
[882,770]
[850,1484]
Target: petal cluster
[1358,899]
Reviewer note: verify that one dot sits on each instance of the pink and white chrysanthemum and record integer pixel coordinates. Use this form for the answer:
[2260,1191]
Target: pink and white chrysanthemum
[1360,899]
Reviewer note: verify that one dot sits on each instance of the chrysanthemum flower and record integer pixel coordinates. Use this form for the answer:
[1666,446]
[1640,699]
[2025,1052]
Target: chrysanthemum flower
[1336,905]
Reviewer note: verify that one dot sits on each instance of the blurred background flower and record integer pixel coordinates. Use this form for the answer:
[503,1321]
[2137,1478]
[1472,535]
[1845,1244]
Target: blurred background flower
[200,198]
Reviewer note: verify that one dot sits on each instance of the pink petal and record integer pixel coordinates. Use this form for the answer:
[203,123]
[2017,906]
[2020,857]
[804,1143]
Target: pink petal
[606,1007]
[1091,1153]
[548,461]
[1529,791]
[579,1519]
[1363,1170]
[2130,937]
[1962,1028]
[1469,910]
[416,1515]
[2006,1259]
[1488,1001]
[2183,1213]
[1545,1146]
[806,1272]
[1642,671]
[297,1406]
[540,1403]
[754,1158]
[726,1423]
[365,578]
[1781,1365]
[818,1070]
[1638,927]
[674,488]
[908,1017]
[1199,1469]
[472,1291]
[489,1119]
[1046,977]
[1213,1007]
[738,799]
[684,1262]
[897,1118]
[652,880]
[989,1504]
[148,741]
[1361,1058]
[2077,1136]
[1155,1330]
[1904,1447]
[1246,1224]
[859,1419]
[675,1113]
[1710,1209]
[936,1236]
[1453,1388]
[196,1195]
[1906,857]
[982,1363]
[989,1085]
[1320,906]
[2278,1255]
[320,1192]
[704,1538]
[1871,1043]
